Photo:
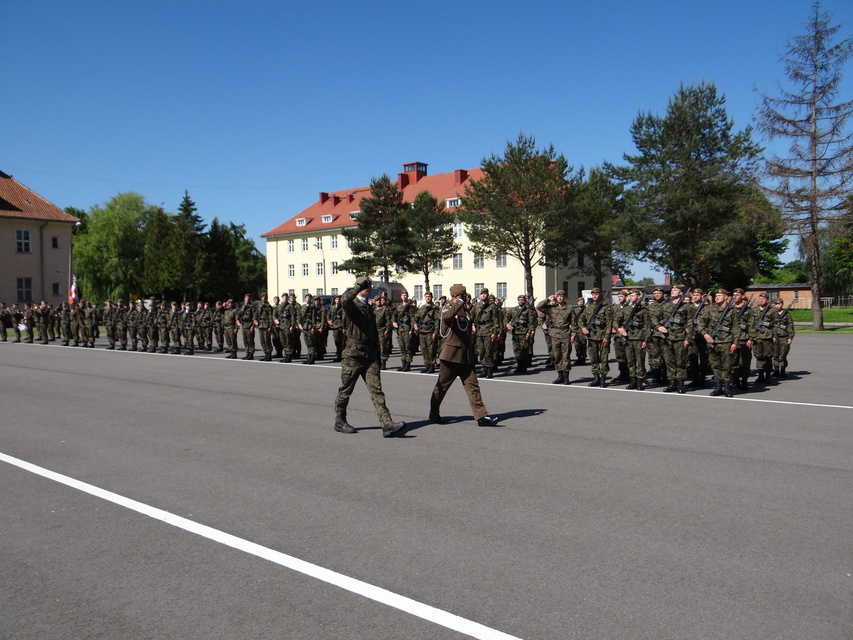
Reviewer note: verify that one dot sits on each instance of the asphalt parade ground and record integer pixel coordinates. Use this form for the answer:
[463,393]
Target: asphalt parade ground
[159,496]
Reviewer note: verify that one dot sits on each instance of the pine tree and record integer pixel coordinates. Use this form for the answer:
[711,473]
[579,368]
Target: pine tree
[430,240]
[811,181]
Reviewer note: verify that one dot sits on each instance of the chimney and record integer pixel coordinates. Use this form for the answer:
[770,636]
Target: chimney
[350,198]
[459,176]
[335,200]
[323,197]
[402,181]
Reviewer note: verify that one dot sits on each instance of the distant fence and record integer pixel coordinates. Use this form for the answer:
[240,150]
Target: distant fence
[841,302]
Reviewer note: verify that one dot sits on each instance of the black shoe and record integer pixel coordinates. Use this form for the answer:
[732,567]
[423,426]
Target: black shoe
[744,383]
[220,350]
[490,372]
[344,427]
[681,388]
[632,384]
[595,381]
[190,352]
[604,382]
[566,379]
[718,389]
[436,418]
[672,386]
[249,356]
[727,389]
[782,372]
[406,366]
[384,366]
[231,356]
[561,378]
[390,429]
[267,358]
[641,384]
[310,359]
[487,421]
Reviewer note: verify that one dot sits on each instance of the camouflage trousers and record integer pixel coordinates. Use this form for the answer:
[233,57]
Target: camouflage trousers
[721,359]
[599,353]
[780,352]
[485,348]
[366,366]
[636,358]
[428,347]
[763,351]
[675,359]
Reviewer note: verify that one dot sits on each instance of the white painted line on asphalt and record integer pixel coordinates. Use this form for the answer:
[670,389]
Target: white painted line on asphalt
[372,592]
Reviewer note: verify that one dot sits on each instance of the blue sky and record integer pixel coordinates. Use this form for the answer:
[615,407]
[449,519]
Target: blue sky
[254,107]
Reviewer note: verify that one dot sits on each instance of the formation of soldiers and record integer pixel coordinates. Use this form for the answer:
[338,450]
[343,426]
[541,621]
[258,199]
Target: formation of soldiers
[685,337]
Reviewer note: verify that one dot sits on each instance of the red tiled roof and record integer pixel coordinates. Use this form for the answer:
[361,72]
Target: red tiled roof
[17,201]
[339,204]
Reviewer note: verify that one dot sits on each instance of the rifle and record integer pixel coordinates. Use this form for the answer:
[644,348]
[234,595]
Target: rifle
[628,324]
[404,313]
[741,311]
[518,313]
[760,324]
[785,310]
[479,319]
[719,327]
[698,311]
[592,318]
[667,324]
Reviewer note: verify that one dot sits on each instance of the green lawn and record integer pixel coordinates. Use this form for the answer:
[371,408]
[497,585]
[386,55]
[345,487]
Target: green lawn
[829,315]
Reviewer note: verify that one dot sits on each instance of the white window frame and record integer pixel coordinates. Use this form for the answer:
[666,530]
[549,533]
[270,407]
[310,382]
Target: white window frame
[500,259]
[305,244]
[318,243]
[327,218]
[457,261]
[305,269]
[319,268]
[457,230]
[333,241]
[23,243]
[479,261]
[301,222]
[291,245]
[500,290]
[291,271]
[453,202]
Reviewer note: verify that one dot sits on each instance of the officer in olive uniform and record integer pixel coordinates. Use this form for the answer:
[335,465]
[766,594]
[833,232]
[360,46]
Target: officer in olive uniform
[561,331]
[361,359]
[580,338]
[697,355]
[655,346]
[596,323]
[218,327]
[426,326]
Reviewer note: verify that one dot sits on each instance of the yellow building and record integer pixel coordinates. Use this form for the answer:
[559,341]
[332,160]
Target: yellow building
[304,252]
[35,246]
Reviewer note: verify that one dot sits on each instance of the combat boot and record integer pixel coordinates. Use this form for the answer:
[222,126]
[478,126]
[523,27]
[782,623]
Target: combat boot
[760,377]
[489,372]
[672,386]
[681,388]
[641,384]
[718,389]
[744,383]
[782,372]
[561,378]
[623,373]
[727,389]
[311,359]
[633,384]
[596,380]
[603,382]
[775,373]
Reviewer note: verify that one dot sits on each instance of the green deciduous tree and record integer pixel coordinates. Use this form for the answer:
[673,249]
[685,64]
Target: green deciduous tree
[521,195]
[430,236]
[251,264]
[811,181]
[691,203]
[108,257]
[377,243]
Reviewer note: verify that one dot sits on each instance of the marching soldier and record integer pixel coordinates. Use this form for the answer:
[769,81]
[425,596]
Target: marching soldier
[218,327]
[697,356]
[229,328]
[595,323]
[580,338]
[487,322]
[188,328]
[264,323]
[618,342]
[308,324]
[632,323]
[336,325]
[403,322]
[655,346]
[742,361]
[676,328]
[762,336]
[246,321]
[384,320]
[721,330]
[110,323]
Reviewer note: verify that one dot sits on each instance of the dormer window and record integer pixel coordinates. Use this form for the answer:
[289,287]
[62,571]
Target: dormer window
[327,219]
[353,215]
[300,222]
[454,202]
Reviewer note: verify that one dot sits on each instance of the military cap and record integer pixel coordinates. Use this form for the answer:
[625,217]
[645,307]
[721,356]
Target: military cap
[778,301]
[484,290]
[680,287]
[595,290]
[456,289]
[738,290]
[698,290]
[383,295]
[560,293]
[521,295]
[623,292]
[492,296]
[636,292]
[764,295]
[661,289]
[723,291]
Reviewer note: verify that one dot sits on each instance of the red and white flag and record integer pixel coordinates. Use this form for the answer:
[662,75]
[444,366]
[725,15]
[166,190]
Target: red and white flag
[73,293]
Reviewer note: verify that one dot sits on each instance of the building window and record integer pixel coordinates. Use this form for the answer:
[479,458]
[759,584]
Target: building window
[22,241]
[581,287]
[453,202]
[318,242]
[349,243]
[500,259]
[479,263]
[457,229]
[500,290]
[334,268]
[25,289]
[437,266]
[419,292]
[304,268]
[291,246]
[319,268]
[353,215]
[580,258]
[304,293]
[327,219]
[333,242]
[457,260]
[436,291]
[478,287]
[56,289]
[291,271]
[300,222]
[54,242]
[305,244]
[319,291]
[334,291]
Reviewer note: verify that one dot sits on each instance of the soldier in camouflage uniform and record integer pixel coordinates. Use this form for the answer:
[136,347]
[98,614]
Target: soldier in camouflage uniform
[110,323]
[675,324]
[265,323]
[697,356]
[229,328]
[580,338]
[561,329]
[218,327]
[655,346]
[121,324]
[287,325]
[246,321]
[188,328]
[403,321]
[133,319]
[521,323]
[762,336]
[426,326]
[742,359]
[722,321]
[5,321]
[296,334]
[309,322]
[487,321]
[633,326]
[618,344]
[596,323]
[784,334]
[335,322]
[90,324]
[384,319]
[361,359]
